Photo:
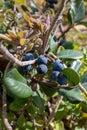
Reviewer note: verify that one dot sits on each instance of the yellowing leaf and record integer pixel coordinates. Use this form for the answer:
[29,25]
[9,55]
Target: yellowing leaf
[20,34]
[17,56]
[22,41]
[42,28]
[12,34]
[2,36]
[84,96]
[20,1]
[28,19]
[29,47]
[84,115]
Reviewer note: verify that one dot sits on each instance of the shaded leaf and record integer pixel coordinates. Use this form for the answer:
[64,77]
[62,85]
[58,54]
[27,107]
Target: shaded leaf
[49,91]
[38,99]
[72,76]
[68,45]
[17,104]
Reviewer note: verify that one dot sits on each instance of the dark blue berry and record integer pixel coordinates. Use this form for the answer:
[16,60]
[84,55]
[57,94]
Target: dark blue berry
[42,60]
[62,80]
[29,56]
[55,38]
[62,42]
[55,75]
[52,1]
[51,6]
[42,69]
[28,67]
[58,65]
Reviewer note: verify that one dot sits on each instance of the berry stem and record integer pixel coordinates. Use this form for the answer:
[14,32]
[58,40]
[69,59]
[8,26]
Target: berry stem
[14,59]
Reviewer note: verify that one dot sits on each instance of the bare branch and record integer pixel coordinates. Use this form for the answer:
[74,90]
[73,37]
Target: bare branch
[58,15]
[51,117]
[12,58]
[4,104]
[4,110]
[65,31]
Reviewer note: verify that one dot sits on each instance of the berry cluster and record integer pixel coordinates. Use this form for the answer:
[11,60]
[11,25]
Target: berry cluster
[56,74]
[28,56]
[42,62]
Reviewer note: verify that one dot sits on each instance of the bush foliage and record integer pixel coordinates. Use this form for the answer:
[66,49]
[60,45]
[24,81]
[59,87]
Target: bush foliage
[43,65]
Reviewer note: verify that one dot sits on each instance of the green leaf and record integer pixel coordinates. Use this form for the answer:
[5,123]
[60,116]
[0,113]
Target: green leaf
[72,76]
[38,100]
[83,78]
[70,16]
[83,23]
[80,11]
[32,110]
[49,91]
[16,84]
[21,121]
[73,95]
[70,54]
[77,11]
[84,107]
[17,104]
[68,45]
[76,65]
[53,45]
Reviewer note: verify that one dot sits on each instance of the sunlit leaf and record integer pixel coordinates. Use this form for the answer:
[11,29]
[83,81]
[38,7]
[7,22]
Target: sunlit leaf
[12,34]
[22,41]
[70,54]
[20,1]
[2,36]
[20,34]
[76,65]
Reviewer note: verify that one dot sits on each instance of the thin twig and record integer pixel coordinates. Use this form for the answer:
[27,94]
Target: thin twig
[51,117]
[63,33]
[51,84]
[12,58]
[82,89]
[59,13]
[4,104]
